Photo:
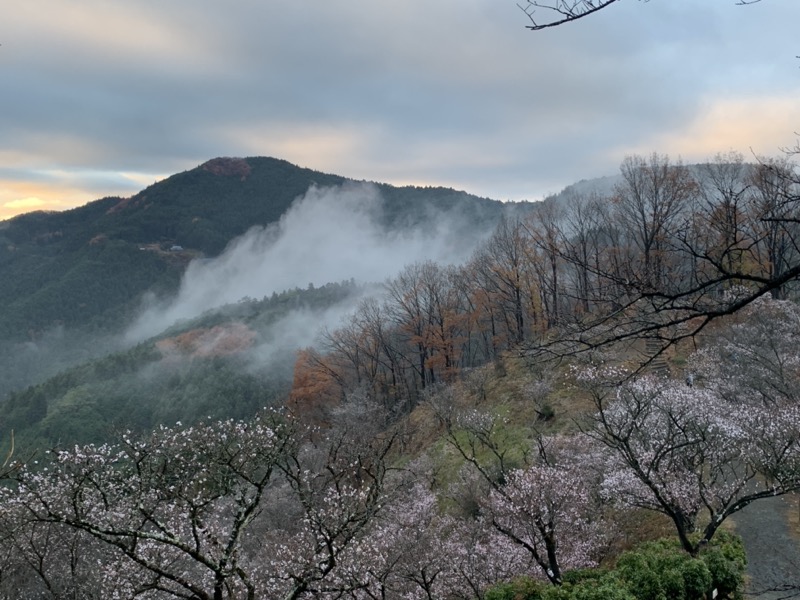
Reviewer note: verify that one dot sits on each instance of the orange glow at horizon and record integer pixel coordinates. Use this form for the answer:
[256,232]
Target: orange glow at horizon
[20,197]
[756,127]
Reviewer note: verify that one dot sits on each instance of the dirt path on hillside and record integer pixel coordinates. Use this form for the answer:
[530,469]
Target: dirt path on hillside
[769,528]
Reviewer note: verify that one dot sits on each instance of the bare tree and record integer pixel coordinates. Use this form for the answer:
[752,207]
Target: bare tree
[681,254]
[719,220]
[502,267]
[544,229]
[586,241]
[552,13]
[774,220]
[649,206]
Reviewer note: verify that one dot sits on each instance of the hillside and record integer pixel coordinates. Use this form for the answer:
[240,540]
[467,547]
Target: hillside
[229,363]
[73,281]
[89,266]
[528,411]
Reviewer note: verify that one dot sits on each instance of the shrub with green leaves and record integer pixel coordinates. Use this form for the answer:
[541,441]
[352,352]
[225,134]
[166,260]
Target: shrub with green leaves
[522,588]
[727,561]
[597,585]
[659,570]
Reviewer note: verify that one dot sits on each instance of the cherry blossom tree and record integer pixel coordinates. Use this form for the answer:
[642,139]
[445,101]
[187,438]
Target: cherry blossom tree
[551,509]
[416,551]
[177,505]
[48,560]
[407,555]
[341,488]
[754,356]
[688,453]
[482,557]
[221,510]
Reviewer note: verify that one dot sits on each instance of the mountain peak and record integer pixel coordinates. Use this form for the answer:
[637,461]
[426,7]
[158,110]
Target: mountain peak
[226,166]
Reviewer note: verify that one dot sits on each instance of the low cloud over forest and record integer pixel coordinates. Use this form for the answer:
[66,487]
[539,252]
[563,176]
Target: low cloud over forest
[328,235]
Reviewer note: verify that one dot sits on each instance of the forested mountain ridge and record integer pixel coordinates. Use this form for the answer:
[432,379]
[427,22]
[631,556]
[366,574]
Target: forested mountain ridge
[90,265]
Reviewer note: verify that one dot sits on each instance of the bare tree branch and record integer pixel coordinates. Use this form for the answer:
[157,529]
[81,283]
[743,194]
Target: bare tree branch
[562,11]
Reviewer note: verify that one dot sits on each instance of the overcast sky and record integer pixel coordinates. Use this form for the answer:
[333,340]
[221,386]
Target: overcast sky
[105,97]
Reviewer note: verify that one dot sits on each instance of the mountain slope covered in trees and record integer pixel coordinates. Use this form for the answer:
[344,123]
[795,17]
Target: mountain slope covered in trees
[74,280]
[460,430]
[86,266]
[229,363]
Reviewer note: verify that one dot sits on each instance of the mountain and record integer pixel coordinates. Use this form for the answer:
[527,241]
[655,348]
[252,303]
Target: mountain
[89,266]
[430,360]
[73,281]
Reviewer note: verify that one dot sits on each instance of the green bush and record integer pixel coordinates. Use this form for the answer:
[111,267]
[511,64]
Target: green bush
[726,561]
[697,579]
[584,584]
[659,570]
[577,576]
[522,588]
[663,571]
[603,589]
[640,577]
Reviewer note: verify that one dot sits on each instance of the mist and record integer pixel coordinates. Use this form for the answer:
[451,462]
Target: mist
[327,235]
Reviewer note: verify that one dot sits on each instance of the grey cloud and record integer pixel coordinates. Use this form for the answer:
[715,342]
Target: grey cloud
[414,72]
[97,181]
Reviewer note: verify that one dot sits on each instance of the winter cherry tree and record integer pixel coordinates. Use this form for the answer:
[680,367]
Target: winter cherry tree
[550,508]
[756,356]
[48,560]
[482,556]
[690,454]
[341,489]
[221,510]
[406,554]
[415,551]
[176,505]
